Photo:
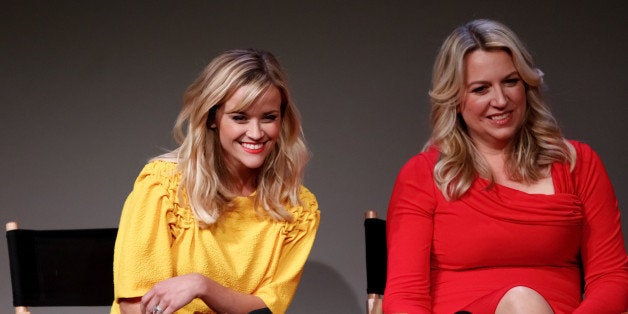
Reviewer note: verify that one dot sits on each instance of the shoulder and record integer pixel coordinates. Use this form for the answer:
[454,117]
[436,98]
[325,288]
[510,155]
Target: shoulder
[161,168]
[156,180]
[422,162]
[153,199]
[585,155]
[589,170]
[308,199]
[426,158]
[581,148]
[308,209]
[159,171]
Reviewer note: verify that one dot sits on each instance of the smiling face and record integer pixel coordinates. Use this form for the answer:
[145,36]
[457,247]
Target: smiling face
[493,102]
[249,135]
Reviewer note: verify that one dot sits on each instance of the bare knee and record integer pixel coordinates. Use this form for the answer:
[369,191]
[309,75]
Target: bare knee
[522,299]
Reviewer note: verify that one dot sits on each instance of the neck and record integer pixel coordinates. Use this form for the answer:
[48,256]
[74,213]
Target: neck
[495,158]
[245,183]
[491,151]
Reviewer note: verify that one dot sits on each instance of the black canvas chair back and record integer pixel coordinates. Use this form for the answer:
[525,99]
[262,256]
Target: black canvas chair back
[376,260]
[61,267]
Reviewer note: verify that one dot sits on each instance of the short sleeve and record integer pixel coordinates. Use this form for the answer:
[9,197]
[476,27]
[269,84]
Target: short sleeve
[143,246]
[277,292]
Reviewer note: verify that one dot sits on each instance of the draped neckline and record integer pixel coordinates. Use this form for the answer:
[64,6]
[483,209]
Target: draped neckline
[509,204]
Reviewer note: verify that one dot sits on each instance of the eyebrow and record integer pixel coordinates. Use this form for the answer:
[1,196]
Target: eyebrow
[515,72]
[244,112]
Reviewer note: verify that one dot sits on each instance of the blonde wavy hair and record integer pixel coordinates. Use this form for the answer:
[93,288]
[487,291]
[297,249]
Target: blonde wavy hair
[536,145]
[205,179]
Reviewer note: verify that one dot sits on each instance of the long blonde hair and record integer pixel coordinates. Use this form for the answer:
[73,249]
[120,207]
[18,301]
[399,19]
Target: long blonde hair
[536,145]
[205,179]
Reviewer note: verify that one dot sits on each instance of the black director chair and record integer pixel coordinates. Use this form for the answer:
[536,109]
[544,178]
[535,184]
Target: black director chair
[60,267]
[376,260]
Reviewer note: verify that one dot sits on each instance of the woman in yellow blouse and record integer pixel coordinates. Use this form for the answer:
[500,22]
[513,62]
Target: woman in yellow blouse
[222,223]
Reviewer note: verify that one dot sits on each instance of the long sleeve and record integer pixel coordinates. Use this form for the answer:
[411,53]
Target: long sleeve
[409,227]
[603,254]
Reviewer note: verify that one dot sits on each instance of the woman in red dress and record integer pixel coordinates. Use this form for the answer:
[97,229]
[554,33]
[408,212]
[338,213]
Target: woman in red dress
[499,213]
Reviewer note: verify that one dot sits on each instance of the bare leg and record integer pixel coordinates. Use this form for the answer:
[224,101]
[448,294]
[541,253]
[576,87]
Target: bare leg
[519,300]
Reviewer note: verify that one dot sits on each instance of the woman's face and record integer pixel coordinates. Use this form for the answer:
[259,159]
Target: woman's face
[493,103]
[249,136]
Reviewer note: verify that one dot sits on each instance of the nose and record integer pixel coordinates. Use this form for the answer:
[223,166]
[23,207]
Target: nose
[255,131]
[499,98]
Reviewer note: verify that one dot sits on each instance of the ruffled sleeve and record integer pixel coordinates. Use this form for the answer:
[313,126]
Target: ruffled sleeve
[151,219]
[278,291]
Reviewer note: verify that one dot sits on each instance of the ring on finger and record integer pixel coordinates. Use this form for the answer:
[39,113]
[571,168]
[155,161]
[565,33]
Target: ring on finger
[157,310]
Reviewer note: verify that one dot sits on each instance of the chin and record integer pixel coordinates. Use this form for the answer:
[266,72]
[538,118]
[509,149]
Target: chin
[254,165]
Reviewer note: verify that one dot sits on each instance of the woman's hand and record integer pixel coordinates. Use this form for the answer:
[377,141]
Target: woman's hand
[168,296]
[172,294]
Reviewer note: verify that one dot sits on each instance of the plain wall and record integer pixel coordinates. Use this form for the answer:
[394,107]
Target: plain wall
[90,91]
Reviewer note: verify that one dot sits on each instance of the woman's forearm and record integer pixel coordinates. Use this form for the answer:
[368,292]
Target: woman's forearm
[130,306]
[225,300]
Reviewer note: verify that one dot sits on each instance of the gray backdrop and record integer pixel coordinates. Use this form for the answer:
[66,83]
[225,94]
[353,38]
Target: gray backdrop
[90,91]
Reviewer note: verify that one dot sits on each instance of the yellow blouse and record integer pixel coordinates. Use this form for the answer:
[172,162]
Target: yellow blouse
[159,238]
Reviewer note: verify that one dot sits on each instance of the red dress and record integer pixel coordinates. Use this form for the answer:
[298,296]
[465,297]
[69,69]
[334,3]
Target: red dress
[465,254]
